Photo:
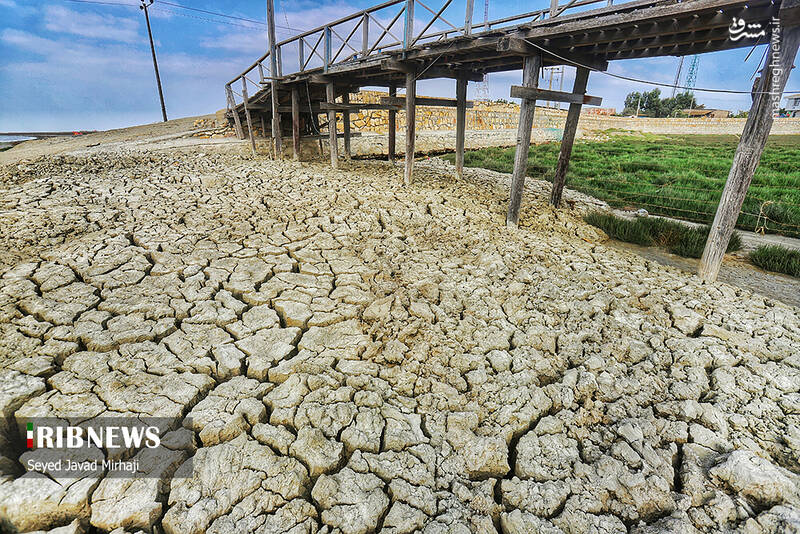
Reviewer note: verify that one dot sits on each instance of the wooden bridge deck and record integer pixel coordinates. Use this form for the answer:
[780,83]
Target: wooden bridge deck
[644,28]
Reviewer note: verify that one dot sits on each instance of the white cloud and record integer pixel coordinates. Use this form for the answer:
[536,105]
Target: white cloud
[84,24]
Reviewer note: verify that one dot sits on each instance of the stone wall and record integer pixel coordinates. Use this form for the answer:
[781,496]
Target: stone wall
[502,116]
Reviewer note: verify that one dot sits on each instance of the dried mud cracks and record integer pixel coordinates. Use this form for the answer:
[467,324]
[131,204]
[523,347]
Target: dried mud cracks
[356,356]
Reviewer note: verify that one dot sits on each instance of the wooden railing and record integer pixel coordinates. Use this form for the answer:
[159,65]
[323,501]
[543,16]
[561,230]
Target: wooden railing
[366,34]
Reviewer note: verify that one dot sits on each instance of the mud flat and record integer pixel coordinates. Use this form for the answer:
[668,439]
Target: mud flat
[355,356]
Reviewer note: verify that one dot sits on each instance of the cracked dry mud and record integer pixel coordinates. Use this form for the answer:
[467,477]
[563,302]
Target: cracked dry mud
[356,356]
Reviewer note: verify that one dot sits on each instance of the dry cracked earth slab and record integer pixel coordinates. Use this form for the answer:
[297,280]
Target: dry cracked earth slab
[348,355]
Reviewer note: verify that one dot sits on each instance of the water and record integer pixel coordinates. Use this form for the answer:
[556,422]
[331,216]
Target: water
[7,141]
[11,138]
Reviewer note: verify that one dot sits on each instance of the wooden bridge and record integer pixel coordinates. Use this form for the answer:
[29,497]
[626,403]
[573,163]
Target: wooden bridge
[398,42]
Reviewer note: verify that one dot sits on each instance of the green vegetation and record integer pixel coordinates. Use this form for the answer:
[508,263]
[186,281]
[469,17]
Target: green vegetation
[649,231]
[675,176]
[778,259]
[650,104]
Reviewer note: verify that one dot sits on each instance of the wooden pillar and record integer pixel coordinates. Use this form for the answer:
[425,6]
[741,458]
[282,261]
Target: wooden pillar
[331,97]
[317,126]
[567,140]
[751,145]
[392,125]
[232,106]
[274,73]
[530,78]
[411,108]
[247,116]
[296,123]
[346,120]
[461,123]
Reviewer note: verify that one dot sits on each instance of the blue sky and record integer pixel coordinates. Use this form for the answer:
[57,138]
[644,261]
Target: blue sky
[69,65]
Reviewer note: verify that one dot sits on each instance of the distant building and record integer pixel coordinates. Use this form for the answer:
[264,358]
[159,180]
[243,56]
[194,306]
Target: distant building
[708,113]
[600,111]
[793,105]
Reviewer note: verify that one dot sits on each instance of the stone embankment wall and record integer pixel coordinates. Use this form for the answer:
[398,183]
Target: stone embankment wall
[500,116]
[495,124]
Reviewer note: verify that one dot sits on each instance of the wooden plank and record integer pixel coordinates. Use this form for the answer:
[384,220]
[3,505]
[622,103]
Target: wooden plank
[567,140]
[346,119]
[411,103]
[748,153]
[330,93]
[392,125]
[357,106]
[296,123]
[424,101]
[326,136]
[461,124]
[516,45]
[517,91]
[427,70]
[530,78]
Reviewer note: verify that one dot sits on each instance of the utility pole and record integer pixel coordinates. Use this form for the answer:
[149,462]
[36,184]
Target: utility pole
[144,7]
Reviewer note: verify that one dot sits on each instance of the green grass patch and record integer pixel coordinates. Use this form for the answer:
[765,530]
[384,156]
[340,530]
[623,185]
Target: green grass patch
[674,176]
[777,259]
[678,238]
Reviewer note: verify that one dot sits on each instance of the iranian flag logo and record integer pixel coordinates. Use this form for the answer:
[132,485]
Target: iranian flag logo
[30,435]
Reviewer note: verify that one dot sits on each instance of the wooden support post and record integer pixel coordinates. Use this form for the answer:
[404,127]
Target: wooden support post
[392,125]
[327,48]
[530,78]
[274,74]
[346,120]
[232,106]
[296,123]
[411,108]
[468,18]
[567,140]
[408,28]
[365,35]
[331,96]
[461,124]
[263,126]
[247,116]
[751,145]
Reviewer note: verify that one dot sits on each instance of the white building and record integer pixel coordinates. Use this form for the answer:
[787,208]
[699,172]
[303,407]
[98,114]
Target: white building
[793,105]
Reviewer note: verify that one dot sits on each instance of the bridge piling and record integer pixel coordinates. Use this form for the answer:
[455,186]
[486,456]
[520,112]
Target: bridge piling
[411,108]
[461,123]
[530,78]
[331,97]
[392,124]
[568,139]
[346,120]
[296,123]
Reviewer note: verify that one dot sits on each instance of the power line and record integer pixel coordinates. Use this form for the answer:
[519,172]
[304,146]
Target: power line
[158,6]
[254,21]
[631,79]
